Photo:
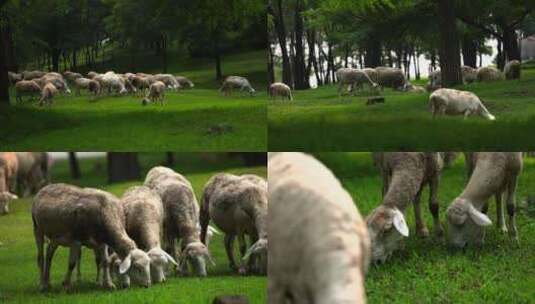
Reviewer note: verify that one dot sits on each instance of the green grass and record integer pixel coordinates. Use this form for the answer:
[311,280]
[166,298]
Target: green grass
[18,269]
[425,271]
[318,120]
[121,123]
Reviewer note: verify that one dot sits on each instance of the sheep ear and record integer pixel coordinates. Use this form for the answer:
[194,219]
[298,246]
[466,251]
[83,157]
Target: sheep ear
[125,265]
[209,257]
[214,231]
[399,222]
[169,258]
[249,252]
[480,218]
[12,196]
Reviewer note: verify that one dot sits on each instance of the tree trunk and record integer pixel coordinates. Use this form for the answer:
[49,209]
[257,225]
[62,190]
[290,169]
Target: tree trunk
[170,158]
[164,53]
[500,56]
[55,53]
[510,44]
[7,41]
[311,39]
[373,53]
[450,58]
[301,77]
[4,81]
[74,166]
[469,49]
[281,35]
[123,166]
[270,67]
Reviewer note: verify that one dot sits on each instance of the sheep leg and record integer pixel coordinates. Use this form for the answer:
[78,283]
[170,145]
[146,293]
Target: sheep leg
[511,192]
[105,264]
[500,218]
[386,182]
[50,250]
[98,262]
[78,272]
[229,241]
[243,245]
[421,229]
[74,255]
[433,206]
[40,242]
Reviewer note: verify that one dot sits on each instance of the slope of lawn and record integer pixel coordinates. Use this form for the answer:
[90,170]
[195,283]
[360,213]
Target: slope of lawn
[318,120]
[191,120]
[19,274]
[426,271]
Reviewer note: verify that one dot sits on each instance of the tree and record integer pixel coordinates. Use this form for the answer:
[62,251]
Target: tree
[4,81]
[123,166]
[450,59]
[278,20]
[74,166]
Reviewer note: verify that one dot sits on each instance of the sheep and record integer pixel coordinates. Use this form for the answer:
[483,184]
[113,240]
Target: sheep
[55,79]
[238,206]
[70,216]
[236,82]
[5,198]
[26,87]
[280,89]
[128,84]
[405,174]
[319,245]
[489,74]
[111,81]
[142,84]
[8,179]
[455,102]
[184,82]
[469,74]
[14,77]
[91,85]
[169,80]
[181,218]
[512,70]
[71,76]
[144,216]
[31,75]
[156,92]
[92,74]
[415,88]
[48,92]
[372,74]
[435,81]
[353,78]
[391,77]
[32,173]
[495,173]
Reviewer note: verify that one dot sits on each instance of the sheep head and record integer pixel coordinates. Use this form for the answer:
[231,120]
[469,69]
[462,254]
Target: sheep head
[195,254]
[137,266]
[256,256]
[387,227]
[465,223]
[5,197]
[159,261]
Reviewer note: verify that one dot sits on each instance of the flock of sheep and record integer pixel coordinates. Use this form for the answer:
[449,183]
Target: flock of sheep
[441,102]
[135,238]
[152,87]
[323,256]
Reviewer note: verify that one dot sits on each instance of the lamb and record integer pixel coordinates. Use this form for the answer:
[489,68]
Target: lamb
[26,87]
[391,77]
[184,82]
[48,92]
[353,78]
[455,102]
[405,174]
[323,256]
[91,85]
[512,70]
[14,77]
[236,82]
[181,218]
[495,173]
[144,215]
[156,92]
[169,80]
[70,216]
[238,206]
[280,89]
[8,179]
[31,75]
[489,74]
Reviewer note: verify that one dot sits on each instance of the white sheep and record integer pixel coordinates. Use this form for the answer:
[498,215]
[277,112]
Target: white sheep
[354,79]
[236,82]
[181,219]
[169,80]
[489,74]
[66,215]
[405,174]
[319,246]
[391,78]
[26,87]
[238,206]
[494,173]
[156,92]
[512,70]
[111,82]
[280,89]
[184,82]
[47,94]
[456,102]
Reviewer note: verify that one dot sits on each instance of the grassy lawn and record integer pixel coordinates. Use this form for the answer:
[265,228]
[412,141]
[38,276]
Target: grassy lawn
[318,120]
[19,273]
[121,123]
[425,271]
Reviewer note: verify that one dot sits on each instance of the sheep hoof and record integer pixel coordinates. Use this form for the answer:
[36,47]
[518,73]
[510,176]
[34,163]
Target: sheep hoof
[110,286]
[503,229]
[423,232]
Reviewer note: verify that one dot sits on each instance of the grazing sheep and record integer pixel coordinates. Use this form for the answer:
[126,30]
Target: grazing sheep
[8,179]
[405,174]
[14,77]
[144,216]
[512,70]
[55,79]
[495,173]
[169,80]
[488,74]
[319,245]
[280,89]
[71,76]
[111,82]
[47,94]
[32,172]
[372,73]
[469,74]
[391,78]
[142,84]
[238,206]
[353,78]
[455,102]
[26,88]
[91,85]
[236,82]
[92,74]
[31,75]
[156,92]
[70,216]
[184,82]
[181,219]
